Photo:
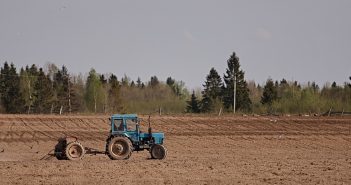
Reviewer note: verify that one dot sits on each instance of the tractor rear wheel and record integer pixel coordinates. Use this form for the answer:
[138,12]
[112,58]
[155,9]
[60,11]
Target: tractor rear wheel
[158,152]
[74,151]
[119,148]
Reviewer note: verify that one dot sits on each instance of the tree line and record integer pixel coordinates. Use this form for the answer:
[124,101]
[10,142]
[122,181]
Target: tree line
[291,97]
[54,90]
[274,97]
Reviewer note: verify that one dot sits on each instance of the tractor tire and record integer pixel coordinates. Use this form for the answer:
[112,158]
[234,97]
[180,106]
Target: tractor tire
[74,151]
[60,148]
[158,152]
[119,148]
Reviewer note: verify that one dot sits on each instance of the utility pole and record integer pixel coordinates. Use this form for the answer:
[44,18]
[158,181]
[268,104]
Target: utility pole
[95,98]
[69,95]
[234,91]
[30,96]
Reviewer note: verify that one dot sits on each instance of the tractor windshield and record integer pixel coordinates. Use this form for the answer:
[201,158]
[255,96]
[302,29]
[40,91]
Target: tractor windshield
[118,124]
[131,124]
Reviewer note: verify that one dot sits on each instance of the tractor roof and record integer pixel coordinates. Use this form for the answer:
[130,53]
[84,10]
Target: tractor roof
[124,116]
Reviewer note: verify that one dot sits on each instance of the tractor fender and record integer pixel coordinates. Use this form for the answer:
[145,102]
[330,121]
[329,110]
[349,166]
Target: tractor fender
[118,135]
[115,135]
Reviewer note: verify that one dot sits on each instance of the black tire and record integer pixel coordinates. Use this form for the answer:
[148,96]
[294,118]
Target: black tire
[119,148]
[60,148]
[74,151]
[158,152]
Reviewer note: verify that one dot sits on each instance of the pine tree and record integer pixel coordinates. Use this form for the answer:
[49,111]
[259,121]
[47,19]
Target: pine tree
[139,82]
[334,85]
[243,101]
[43,93]
[103,80]
[170,82]
[212,91]
[154,81]
[11,97]
[315,87]
[77,94]
[269,93]
[64,91]
[115,100]
[193,104]
[178,88]
[132,84]
[60,91]
[206,104]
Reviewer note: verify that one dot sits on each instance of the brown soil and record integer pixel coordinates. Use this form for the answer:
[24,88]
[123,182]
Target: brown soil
[201,150]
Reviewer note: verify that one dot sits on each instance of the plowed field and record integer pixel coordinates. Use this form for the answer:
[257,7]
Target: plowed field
[201,150]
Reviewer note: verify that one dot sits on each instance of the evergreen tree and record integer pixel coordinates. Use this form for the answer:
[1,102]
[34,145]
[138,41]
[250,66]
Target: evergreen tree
[170,82]
[334,85]
[11,97]
[103,80]
[43,93]
[206,104]
[60,88]
[193,104]
[315,87]
[269,93]
[66,95]
[283,82]
[132,84]
[178,88]
[154,81]
[281,88]
[115,100]
[212,91]
[243,101]
[139,82]
[77,91]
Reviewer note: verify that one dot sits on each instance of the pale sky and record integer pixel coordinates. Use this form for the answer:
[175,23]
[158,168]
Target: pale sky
[303,40]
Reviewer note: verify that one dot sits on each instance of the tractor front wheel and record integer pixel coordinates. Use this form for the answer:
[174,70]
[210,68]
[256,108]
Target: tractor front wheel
[158,152]
[119,148]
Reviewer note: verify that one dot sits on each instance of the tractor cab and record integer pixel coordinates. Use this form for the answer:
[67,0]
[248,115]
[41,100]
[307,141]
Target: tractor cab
[124,123]
[127,125]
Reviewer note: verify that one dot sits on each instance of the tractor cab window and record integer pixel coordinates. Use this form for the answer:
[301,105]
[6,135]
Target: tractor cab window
[131,124]
[118,124]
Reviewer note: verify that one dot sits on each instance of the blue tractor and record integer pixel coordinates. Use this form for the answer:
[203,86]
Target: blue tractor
[124,138]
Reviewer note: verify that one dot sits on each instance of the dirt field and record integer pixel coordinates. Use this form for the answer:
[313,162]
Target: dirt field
[201,150]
